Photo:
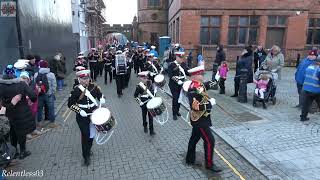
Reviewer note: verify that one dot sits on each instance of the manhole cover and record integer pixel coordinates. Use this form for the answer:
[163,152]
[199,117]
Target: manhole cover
[246,116]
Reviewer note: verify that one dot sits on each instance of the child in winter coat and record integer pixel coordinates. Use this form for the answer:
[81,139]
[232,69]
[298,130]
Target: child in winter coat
[262,84]
[223,72]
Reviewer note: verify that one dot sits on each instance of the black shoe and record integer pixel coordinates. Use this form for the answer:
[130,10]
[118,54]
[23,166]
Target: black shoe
[178,114]
[175,117]
[152,133]
[193,164]
[87,161]
[214,169]
[235,95]
[24,154]
[145,129]
[304,119]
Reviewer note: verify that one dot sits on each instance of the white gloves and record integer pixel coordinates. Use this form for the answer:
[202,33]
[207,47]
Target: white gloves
[212,101]
[83,113]
[141,103]
[152,74]
[180,82]
[102,100]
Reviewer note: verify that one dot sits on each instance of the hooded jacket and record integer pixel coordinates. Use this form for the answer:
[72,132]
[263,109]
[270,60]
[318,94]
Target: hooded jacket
[51,80]
[220,56]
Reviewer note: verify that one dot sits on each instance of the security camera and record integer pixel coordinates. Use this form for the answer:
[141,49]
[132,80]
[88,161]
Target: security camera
[298,13]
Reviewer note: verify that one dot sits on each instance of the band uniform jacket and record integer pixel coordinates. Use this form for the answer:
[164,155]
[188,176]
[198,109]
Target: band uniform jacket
[204,121]
[108,62]
[143,96]
[77,100]
[174,71]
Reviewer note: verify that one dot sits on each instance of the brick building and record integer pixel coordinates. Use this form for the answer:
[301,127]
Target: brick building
[200,25]
[152,20]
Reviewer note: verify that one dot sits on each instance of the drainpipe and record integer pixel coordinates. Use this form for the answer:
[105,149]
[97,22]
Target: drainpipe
[20,46]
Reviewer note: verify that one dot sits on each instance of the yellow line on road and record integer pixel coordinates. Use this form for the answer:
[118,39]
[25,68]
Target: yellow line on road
[65,113]
[67,116]
[220,155]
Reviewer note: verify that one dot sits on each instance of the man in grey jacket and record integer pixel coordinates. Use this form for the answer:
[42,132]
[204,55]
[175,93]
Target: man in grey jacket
[49,97]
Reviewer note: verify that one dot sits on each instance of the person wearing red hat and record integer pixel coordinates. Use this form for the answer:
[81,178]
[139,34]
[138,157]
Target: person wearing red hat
[201,106]
[177,72]
[83,101]
[300,74]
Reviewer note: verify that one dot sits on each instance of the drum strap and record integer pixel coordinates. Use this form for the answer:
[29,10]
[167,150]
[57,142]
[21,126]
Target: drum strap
[88,94]
[181,70]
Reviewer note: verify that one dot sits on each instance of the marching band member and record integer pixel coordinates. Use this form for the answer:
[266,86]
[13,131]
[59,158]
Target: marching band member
[108,68]
[201,105]
[93,60]
[82,100]
[101,60]
[80,61]
[142,97]
[177,72]
[119,78]
[153,51]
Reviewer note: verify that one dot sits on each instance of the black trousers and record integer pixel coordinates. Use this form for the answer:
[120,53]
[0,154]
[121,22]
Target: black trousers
[119,82]
[144,117]
[100,68]
[236,85]
[86,141]
[141,68]
[93,70]
[175,97]
[206,134]
[222,86]
[106,71]
[16,138]
[308,99]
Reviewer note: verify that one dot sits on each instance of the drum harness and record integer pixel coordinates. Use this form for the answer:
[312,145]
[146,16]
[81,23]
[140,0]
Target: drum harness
[89,95]
[149,94]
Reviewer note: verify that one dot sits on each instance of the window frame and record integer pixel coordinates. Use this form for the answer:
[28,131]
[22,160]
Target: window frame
[153,4]
[248,27]
[277,25]
[210,27]
[313,29]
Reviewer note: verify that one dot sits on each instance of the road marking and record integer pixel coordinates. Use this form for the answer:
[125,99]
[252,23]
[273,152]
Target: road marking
[215,150]
[65,113]
[67,116]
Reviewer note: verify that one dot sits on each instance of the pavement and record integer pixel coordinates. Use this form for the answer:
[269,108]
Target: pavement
[130,153]
[273,140]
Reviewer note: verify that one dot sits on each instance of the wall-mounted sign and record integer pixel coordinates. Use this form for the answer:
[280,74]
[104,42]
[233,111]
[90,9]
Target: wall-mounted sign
[8,9]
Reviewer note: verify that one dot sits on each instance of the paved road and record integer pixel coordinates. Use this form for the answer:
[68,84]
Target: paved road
[274,140]
[130,153]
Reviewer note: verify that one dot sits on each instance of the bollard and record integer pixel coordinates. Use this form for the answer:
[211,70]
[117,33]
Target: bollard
[242,97]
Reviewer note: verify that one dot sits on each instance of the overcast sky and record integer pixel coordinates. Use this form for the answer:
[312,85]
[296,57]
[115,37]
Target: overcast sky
[120,11]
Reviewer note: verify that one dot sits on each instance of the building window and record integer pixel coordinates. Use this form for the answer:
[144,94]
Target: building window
[277,21]
[178,30]
[243,30]
[154,3]
[210,30]
[313,37]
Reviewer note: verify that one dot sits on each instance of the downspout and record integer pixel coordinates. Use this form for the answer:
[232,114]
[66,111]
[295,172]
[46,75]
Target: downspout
[20,46]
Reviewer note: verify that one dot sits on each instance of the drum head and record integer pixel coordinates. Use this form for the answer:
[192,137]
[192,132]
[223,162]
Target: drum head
[186,86]
[100,116]
[159,78]
[154,102]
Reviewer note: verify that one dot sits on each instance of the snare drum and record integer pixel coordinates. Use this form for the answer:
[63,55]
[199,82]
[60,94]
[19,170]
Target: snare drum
[186,86]
[156,106]
[159,80]
[102,119]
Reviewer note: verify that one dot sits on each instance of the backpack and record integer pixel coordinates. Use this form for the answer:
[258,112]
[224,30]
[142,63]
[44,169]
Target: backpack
[42,82]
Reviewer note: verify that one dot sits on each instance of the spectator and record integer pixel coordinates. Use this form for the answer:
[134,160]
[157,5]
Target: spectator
[220,55]
[223,72]
[274,61]
[48,94]
[311,88]
[13,92]
[300,74]
[200,60]
[259,57]
[32,67]
[245,62]
[59,69]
